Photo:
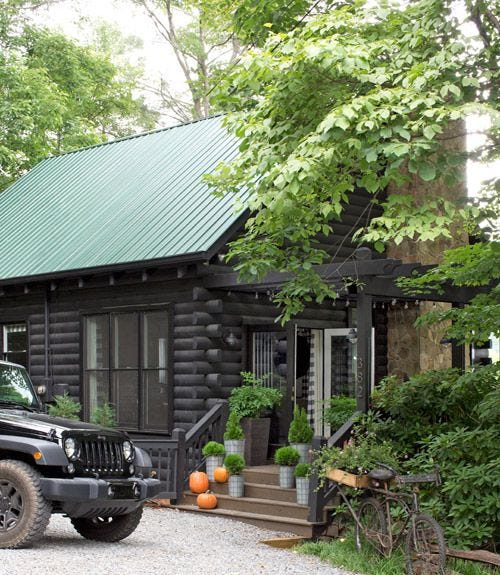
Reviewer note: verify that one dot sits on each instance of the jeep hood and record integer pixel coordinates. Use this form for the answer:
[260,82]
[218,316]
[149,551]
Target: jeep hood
[41,425]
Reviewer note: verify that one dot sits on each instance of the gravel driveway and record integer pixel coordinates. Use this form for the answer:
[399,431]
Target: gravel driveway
[167,542]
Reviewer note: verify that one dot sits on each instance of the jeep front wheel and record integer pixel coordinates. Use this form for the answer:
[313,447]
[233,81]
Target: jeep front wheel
[109,529]
[24,512]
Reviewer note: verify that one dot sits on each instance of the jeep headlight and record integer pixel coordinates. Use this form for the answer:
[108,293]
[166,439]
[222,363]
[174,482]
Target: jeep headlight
[70,448]
[128,450]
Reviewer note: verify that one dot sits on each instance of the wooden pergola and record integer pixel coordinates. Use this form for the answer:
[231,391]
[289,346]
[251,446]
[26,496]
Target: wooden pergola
[375,281]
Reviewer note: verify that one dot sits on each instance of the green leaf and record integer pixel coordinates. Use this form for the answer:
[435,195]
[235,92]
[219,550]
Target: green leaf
[426,171]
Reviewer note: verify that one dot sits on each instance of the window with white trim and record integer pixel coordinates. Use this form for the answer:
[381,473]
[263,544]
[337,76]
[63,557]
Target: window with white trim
[15,343]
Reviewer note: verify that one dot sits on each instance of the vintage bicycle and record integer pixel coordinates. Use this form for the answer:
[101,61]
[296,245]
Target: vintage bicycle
[385,518]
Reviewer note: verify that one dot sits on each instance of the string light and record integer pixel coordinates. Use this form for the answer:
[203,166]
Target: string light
[256,295]
[347,303]
[394,301]
[406,305]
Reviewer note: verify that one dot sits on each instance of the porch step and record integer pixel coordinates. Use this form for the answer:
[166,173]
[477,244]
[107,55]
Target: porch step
[289,524]
[259,491]
[263,474]
[268,507]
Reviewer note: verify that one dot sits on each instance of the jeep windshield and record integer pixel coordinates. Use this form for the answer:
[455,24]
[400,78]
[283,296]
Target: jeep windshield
[16,389]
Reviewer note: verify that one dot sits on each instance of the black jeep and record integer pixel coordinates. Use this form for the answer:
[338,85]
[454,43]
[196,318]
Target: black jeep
[92,474]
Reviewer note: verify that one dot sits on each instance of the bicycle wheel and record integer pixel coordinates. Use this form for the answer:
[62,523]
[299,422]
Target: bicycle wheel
[425,547]
[372,528]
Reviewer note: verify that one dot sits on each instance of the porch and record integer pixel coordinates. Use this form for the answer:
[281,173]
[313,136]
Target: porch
[265,503]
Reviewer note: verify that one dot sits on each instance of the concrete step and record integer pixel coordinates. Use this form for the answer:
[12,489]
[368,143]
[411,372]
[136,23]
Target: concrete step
[259,491]
[287,525]
[278,509]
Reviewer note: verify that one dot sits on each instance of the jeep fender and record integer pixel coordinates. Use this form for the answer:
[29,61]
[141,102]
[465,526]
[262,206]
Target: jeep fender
[142,461]
[51,453]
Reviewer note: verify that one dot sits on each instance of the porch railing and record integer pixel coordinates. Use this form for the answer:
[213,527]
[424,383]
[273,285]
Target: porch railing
[175,457]
[320,495]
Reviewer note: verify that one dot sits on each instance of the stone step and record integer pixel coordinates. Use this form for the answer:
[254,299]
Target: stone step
[259,491]
[287,525]
[278,509]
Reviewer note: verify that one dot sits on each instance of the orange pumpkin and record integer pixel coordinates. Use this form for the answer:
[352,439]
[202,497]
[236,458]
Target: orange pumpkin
[198,482]
[221,474]
[206,500]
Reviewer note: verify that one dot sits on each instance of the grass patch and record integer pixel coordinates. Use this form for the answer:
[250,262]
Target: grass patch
[342,553]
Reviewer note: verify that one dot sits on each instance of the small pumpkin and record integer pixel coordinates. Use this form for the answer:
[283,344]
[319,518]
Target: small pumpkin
[206,500]
[221,474]
[198,482]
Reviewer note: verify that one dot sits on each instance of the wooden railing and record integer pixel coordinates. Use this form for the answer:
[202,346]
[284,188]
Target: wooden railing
[175,457]
[320,495]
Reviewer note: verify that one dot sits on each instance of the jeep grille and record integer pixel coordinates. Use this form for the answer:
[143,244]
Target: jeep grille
[102,456]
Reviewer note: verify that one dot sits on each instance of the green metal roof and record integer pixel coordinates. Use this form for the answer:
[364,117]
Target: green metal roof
[134,199]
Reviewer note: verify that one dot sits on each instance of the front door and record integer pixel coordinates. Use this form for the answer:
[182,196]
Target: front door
[339,367]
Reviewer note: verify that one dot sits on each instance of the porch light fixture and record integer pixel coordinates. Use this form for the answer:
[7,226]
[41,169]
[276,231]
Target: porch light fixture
[230,339]
[352,336]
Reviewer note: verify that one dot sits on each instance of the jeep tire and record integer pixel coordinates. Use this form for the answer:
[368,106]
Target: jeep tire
[109,529]
[24,512]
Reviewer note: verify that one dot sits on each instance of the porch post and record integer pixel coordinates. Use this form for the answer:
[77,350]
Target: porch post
[364,333]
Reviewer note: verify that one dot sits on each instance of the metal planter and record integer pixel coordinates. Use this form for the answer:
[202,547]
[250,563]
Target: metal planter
[212,462]
[235,446]
[304,451]
[302,490]
[287,479]
[236,486]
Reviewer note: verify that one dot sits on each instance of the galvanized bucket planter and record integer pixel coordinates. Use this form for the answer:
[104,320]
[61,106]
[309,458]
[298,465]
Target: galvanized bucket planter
[212,462]
[235,446]
[302,490]
[304,451]
[287,478]
[236,486]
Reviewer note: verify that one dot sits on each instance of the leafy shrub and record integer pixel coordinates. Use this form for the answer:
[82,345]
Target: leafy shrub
[339,409]
[233,428]
[213,448]
[104,416]
[300,431]
[449,419]
[286,456]
[234,463]
[302,470]
[252,398]
[65,406]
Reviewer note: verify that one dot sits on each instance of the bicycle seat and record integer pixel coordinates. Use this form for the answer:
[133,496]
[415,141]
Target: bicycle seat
[381,474]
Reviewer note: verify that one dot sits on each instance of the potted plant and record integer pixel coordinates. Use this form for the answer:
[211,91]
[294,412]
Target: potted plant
[287,458]
[234,438]
[214,453]
[302,472]
[301,433]
[235,464]
[251,402]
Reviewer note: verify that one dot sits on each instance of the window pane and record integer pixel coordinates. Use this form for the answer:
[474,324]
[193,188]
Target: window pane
[97,383]
[126,398]
[15,343]
[155,326]
[155,399]
[269,351]
[126,338]
[97,342]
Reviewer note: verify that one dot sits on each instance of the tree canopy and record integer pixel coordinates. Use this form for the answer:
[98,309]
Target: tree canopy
[362,96]
[56,95]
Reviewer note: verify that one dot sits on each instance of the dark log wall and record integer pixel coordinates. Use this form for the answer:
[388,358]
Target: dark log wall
[205,367]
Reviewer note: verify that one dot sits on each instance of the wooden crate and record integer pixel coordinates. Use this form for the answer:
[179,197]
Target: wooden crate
[346,478]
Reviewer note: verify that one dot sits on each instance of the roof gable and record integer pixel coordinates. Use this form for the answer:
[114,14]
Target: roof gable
[135,199]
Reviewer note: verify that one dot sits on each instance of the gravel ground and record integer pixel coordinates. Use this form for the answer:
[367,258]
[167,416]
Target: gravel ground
[166,542]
